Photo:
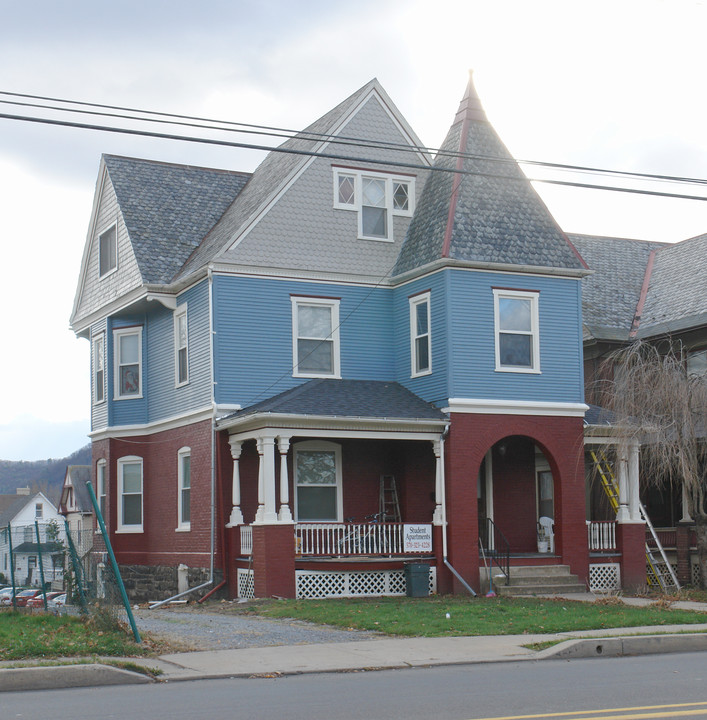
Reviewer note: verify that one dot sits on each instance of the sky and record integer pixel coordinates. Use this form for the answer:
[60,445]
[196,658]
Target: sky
[615,84]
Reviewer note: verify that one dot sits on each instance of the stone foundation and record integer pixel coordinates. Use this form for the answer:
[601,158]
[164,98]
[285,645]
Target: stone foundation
[150,583]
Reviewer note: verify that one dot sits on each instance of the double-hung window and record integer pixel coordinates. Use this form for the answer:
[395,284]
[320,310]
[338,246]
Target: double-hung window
[376,197]
[181,357]
[130,494]
[99,374]
[101,487]
[318,481]
[108,251]
[420,336]
[315,337]
[517,330]
[127,345]
[184,489]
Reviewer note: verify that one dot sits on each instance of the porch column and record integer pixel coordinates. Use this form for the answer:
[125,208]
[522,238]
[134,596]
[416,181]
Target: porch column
[236,514]
[266,514]
[686,518]
[438,447]
[260,512]
[285,515]
[634,497]
[622,515]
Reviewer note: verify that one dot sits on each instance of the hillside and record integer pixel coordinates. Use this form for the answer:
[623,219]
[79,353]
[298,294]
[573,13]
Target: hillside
[44,475]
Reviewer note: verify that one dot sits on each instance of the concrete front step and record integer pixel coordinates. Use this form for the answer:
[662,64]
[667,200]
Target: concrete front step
[537,580]
[560,589]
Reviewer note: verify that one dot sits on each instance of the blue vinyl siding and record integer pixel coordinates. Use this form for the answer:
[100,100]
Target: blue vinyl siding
[253,334]
[472,339]
[430,387]
[128,411]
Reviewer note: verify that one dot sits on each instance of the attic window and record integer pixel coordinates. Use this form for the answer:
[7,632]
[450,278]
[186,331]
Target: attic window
[107,251]
[376,197]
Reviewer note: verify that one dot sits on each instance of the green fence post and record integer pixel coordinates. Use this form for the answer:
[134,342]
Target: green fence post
[113,562]
[12,566]
[78,573]
[41,563]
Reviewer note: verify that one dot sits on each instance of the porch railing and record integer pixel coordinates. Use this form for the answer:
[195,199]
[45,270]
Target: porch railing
[246,540]
[345,539]
[496,547]
[601,535]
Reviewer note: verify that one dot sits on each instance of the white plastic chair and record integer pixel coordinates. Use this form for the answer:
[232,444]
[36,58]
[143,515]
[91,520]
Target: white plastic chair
[546,531]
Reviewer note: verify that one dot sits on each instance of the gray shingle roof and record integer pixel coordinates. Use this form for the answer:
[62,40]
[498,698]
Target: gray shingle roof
[10,505]
[268,178]
[597,415]
[610,296]
[497,215]
[168,209]
[80,475]
[348,398]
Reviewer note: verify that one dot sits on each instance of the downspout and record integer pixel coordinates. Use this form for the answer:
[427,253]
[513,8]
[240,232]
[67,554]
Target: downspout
[444,518]
[212,551]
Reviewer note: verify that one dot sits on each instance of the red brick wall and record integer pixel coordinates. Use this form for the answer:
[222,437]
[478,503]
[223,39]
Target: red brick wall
[274,561]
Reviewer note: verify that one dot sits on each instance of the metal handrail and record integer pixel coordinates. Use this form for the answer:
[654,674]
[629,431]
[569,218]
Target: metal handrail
[496,546]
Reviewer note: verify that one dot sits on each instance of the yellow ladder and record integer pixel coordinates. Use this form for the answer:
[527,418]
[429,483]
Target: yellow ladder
[655,576]
[389,505]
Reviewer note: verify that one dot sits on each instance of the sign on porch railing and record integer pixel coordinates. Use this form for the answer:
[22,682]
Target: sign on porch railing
[345,539]
[601,535]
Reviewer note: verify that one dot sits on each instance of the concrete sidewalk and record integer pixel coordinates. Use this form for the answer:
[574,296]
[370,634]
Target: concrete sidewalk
[382,653]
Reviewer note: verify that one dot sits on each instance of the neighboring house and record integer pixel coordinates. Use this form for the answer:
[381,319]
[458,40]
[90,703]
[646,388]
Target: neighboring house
[75,505]
[654,292]
[354,328]
[23,513]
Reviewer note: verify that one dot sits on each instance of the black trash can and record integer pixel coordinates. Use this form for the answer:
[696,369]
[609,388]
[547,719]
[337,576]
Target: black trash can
[417,579]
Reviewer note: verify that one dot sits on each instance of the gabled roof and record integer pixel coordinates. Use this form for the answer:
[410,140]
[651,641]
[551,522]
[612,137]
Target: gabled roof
[279,168]
[10,505]
[76,477]
[479,207]
[347,398]
[610,296]
[168,209]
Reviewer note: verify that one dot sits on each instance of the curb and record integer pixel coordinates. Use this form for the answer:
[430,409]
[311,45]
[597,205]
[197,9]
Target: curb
[67,676]
[620,646]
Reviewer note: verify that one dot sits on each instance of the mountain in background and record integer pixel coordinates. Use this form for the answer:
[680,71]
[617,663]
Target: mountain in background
[46,476]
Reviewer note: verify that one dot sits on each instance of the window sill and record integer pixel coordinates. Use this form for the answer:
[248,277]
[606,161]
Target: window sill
[329,376]
[183,528]
[523,371]
[421,374]
[128,397]
[128,531]
[377,239]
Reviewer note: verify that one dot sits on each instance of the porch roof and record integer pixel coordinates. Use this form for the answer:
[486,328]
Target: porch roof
[341,403]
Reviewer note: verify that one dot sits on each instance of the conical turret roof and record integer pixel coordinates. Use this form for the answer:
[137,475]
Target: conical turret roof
[479,207]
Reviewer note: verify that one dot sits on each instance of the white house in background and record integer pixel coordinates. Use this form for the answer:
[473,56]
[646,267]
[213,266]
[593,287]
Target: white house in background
[75,505]
[18,515]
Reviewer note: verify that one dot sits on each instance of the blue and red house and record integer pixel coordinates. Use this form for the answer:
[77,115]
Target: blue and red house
[355,329]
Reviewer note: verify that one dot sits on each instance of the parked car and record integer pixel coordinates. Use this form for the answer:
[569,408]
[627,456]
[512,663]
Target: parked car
[24,596]
[6,595]
[38,600]
[57,602]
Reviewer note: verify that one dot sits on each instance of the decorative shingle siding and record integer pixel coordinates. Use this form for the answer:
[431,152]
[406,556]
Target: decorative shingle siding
[472,339]
[253,338]
[165,400]
[432,387]
[304,224]
[97,292]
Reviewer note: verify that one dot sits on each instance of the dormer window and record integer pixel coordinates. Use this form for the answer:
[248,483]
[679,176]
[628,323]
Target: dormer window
[108,251]
[376,197]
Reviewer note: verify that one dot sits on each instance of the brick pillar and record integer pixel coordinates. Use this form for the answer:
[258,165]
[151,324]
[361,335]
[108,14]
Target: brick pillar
[682,544]
[631,543]
[274,560]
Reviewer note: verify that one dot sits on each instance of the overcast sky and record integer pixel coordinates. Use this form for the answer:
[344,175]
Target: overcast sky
[615,84]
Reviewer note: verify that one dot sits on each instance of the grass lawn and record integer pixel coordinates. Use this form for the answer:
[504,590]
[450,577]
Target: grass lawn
[39,635]
[427,617]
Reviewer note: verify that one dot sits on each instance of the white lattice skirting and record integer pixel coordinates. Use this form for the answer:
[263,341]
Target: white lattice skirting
[246,584]
[604,577]
[367,583]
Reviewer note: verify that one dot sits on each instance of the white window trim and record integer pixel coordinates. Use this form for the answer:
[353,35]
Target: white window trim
[117,334]
[534,330]
[180,312]
[100,338]
[181,454]
[356,206]
[321,445]
[101,489]
[414,301]
[130,459]
[334,336]
[98,247]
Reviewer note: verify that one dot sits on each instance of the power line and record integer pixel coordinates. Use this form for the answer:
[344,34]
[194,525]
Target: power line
[274,131]
[340,157]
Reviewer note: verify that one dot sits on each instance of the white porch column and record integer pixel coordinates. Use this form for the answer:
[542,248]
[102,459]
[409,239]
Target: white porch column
[633,485]
[267,514]
[438,447]
[623,515]
[236,514]
[686,518]
[285,515]
[260,512]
